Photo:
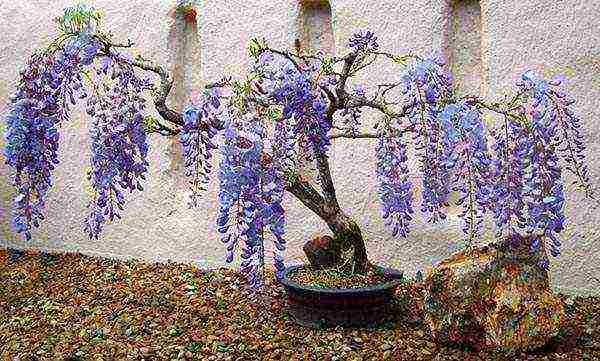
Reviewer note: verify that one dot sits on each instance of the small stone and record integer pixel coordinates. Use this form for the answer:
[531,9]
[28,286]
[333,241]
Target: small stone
[593,345]
[320,252]
[145,351]
[386,346]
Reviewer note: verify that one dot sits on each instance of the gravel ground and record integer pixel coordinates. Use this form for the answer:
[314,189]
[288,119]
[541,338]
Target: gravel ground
[67,306]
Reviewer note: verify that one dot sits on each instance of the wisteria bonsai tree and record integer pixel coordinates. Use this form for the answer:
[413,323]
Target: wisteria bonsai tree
[293,103]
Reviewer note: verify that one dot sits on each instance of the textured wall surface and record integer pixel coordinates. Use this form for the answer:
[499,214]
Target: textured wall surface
[549,36]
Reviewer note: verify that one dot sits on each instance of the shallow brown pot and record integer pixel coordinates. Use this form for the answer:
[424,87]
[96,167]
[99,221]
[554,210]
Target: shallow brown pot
[330,307]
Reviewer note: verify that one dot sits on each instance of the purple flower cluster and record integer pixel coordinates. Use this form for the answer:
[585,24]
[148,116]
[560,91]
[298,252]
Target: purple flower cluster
[48,83]
[510,147]
[395,188]
[471,164]
[306,106]
[284,146]
[426,85]
[363,40]
[303,104]
[196,140]
[521,183]
[530,192]
[552,125]
[251,192]
[118,142]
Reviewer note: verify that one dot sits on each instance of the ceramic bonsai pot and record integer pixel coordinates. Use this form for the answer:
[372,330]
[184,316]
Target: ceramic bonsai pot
[330,307]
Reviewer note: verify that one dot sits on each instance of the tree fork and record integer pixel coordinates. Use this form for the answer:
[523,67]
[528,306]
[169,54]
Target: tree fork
[346,233]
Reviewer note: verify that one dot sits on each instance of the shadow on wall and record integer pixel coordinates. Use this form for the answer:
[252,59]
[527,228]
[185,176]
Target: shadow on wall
[6,194]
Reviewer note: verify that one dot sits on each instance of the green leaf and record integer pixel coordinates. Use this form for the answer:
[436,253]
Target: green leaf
[273,113]
[149,123]
[401,59]
[254,47]
[327,66]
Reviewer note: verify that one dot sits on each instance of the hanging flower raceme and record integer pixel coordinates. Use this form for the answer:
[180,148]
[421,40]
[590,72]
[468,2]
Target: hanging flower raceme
[272,211]
[196,140]
[425,84]
[468,157]
[571,143]
[285,154]
[552,125]
[395,188]
[307,107]
[251,191]
[119,143]
[511,143]
[49,82]
[531,191]
[302,101]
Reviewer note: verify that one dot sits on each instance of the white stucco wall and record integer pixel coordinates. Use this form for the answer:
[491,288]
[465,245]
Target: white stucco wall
[550,36]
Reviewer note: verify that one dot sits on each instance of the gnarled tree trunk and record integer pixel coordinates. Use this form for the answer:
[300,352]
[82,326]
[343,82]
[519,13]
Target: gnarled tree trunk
[346,232]
[347,235]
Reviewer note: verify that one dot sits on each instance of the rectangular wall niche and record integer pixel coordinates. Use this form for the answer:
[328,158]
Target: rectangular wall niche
[314,33]
[463,50]
[314,27]
[184,59]
[464,45]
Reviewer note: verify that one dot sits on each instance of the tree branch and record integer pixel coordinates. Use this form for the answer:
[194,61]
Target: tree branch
[326,180]
[166,81]
[351,135]
[164,130]
[341,86]
[348,134]
[309,196]
[493,107]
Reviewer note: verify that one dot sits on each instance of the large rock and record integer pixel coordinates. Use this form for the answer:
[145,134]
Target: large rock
[320,252]
[495,297]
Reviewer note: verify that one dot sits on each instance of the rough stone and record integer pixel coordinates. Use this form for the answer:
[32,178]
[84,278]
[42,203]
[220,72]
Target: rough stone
[495,297]
[320,253]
